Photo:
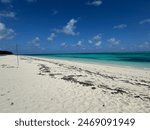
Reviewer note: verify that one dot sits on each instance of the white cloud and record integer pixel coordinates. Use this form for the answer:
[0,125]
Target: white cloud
[97,37]
[96,40]
[90,41]
[121,26]
[98,43]
[69,29]
[6,1]
[6,33]
[7,14]
[35,41]
[51,37]
[144,45]
[113,41]
[145,21]
[79,43]
[63,44]
[95,3]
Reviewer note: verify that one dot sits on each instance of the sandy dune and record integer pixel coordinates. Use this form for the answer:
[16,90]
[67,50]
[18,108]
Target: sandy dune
[48,85]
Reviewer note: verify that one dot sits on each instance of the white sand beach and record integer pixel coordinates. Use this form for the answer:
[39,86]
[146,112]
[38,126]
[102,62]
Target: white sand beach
[48,85]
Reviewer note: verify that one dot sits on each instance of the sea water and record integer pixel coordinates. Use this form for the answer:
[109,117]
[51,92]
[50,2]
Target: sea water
[140,60]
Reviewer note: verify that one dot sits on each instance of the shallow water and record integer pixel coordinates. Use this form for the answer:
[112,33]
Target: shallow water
[141,60]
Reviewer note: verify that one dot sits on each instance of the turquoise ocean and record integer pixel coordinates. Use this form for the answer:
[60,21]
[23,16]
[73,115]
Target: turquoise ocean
[139,60]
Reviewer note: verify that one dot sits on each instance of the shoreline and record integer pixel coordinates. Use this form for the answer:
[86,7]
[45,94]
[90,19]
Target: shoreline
[93,63]
[52,85]
[134,60]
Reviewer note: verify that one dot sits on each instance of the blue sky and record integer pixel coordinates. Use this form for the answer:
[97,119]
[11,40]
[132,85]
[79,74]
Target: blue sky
[74,26]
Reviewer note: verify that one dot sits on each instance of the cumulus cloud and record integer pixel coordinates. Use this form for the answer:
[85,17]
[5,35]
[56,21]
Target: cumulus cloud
[98,43]
[96,40]
[121,26]
[51,37]
[6,1]
[95,3]
[6,33]
[63,44]
[145,21]
[7,14]
[113,41]
[144,45]
[35,41]
[97,37]
[79,43]
[69,29]
[90,41]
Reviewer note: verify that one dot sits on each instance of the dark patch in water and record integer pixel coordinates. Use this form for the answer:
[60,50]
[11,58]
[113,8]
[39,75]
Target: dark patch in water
[137,59]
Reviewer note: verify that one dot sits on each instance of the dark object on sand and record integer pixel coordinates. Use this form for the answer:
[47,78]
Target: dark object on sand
[6,53]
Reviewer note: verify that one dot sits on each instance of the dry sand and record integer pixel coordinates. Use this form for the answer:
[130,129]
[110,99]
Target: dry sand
[48,85]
